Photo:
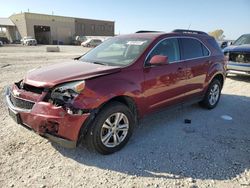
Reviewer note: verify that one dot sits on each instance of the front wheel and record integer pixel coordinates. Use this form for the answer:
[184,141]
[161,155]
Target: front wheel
[111,129]
[212,96]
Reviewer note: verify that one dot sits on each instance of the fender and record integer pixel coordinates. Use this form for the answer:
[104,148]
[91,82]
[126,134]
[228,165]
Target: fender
[217,68]
[95,95]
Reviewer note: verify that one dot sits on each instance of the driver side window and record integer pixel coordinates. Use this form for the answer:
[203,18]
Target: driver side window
[167,47]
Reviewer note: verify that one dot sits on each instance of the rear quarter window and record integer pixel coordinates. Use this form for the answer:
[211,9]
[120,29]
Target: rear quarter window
[215,46]
[192,48]
[205,50]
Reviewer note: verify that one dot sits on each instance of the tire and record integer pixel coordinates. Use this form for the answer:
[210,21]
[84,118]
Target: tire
[212,95]
[104,135]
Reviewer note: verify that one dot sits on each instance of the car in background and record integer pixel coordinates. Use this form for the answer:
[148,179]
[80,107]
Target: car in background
[4,40]
[28,41]
[238,55]
[91,43]
[224,44]
[79,39]
[101,95]
[16,42]
[1,43]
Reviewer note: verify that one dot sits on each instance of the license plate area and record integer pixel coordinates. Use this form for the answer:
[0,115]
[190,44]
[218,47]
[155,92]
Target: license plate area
[15,116]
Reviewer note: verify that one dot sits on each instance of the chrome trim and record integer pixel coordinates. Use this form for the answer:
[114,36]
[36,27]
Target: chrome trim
[238,66]
[10,105]
[21,98]
[179,48]
[237,72]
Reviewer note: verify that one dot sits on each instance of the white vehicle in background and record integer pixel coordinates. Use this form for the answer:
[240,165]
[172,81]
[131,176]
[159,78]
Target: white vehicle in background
[1,43]
[28,41]
[91,43]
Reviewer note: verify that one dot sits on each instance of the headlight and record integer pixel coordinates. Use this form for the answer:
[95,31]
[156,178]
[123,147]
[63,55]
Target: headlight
[66,93]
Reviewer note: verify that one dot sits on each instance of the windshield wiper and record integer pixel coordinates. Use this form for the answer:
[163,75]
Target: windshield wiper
[99,63]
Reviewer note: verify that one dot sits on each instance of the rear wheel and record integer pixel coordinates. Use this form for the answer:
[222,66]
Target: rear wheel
[111,129]
[212,96]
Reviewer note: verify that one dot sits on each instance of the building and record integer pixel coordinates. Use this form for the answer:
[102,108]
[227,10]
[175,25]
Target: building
[51,29]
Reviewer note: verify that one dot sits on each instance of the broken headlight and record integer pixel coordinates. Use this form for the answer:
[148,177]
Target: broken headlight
[64,95]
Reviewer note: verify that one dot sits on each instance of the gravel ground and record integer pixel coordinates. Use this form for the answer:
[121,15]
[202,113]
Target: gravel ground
[163,151]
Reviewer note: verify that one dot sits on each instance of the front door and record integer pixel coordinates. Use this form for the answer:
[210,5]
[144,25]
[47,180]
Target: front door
[164,84]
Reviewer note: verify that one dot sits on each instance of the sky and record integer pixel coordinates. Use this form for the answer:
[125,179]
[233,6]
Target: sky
[232,16]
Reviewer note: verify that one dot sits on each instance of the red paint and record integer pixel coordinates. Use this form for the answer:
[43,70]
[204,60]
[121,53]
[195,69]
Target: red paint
[151,88]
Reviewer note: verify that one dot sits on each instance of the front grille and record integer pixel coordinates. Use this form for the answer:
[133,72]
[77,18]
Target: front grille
[239,57]
[21,103]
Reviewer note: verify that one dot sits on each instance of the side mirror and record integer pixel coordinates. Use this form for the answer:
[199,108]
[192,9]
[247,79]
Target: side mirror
[158,60]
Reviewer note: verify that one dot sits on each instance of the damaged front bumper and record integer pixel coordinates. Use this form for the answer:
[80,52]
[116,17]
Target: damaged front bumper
[48,121]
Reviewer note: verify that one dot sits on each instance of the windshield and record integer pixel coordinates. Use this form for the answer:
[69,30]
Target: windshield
[117,51]
[244,39]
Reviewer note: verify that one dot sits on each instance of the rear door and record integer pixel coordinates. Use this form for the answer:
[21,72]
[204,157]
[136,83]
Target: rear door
[164,84]
[195,55]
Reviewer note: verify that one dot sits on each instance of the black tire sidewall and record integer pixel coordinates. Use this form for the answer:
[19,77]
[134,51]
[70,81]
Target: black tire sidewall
[94,137]
[206,101]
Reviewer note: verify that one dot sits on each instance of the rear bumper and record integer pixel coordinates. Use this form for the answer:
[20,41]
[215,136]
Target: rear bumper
[49,121]
[238,68]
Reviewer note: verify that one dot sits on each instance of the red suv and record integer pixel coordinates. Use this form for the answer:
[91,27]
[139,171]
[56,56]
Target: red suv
[101,95]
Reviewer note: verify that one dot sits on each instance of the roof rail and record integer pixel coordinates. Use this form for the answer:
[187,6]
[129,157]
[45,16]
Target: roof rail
[189,31]
[145,31]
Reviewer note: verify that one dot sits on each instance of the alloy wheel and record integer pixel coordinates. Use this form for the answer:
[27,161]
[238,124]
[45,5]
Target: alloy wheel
[214,94]
[114,130]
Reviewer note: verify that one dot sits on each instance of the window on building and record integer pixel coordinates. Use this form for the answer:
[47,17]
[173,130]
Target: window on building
[82,27]
[93,27]
[110,27]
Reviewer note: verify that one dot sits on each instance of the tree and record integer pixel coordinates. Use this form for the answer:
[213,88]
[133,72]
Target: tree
[217,34]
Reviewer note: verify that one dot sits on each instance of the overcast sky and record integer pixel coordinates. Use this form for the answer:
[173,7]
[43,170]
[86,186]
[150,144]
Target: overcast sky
[233,16]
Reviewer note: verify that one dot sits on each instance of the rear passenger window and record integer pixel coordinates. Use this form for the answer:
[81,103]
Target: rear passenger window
[169,48]
[192,48]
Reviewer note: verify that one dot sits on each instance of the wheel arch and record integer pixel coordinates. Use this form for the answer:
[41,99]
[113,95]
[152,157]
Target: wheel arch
[220,77]
[126,100]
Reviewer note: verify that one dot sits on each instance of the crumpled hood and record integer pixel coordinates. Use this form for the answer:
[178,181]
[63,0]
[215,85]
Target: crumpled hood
[240,48]
[65,72]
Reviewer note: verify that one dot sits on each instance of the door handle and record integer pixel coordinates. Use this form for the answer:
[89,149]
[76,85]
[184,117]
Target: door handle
[179,69]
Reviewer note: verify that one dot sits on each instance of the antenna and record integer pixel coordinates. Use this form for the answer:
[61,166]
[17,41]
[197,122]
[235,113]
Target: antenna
[189,26]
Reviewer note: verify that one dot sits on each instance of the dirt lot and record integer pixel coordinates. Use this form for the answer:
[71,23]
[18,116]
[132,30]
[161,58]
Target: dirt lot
[163,152]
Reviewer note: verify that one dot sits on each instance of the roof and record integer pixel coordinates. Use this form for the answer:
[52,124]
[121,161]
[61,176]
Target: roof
[154,35]
[142,35]
[32,13]
[6,22]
